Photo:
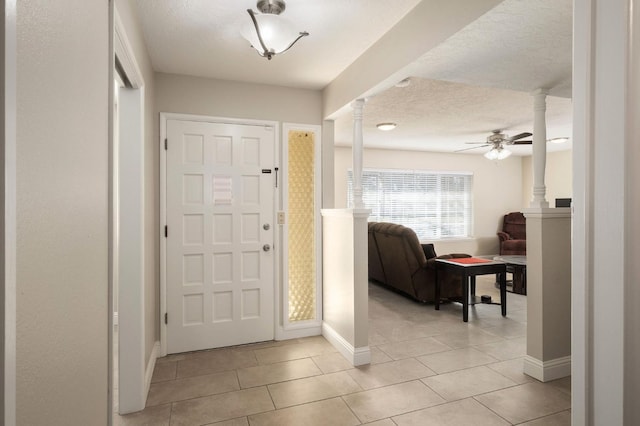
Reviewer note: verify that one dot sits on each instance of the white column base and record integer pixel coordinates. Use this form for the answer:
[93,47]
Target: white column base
[356,356]
[545,371]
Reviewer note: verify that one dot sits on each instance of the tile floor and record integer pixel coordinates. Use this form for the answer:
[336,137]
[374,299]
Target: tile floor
[428,368]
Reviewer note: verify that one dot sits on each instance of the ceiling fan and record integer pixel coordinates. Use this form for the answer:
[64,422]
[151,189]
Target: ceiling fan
[497,141]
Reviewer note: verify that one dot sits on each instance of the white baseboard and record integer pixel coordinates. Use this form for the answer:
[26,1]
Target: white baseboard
[148,374]
[546,371]
[356,356]
[298,332]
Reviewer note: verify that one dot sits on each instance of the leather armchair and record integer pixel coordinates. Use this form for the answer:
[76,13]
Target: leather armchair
[398,260]
[513,237]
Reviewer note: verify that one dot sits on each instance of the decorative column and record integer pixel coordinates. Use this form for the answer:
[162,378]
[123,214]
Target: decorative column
[358,106]
[539,148]
[345,280]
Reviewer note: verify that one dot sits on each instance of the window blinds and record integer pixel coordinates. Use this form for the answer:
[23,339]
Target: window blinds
[435,205]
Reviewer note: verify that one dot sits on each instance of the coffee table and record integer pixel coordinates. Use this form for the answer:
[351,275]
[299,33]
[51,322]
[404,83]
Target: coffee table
[516,265]
[468,268]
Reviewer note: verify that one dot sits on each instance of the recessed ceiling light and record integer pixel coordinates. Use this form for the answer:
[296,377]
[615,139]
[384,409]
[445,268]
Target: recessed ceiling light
[559,140]
[403,83]
[386,126]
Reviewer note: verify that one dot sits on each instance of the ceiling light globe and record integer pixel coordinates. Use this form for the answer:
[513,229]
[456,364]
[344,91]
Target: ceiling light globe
[503,153]
[492,154]
[277,33]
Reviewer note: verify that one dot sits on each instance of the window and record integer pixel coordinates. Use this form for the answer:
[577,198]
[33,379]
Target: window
[435,205]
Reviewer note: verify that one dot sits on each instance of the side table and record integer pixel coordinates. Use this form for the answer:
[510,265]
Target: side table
[516,265]
[468,268]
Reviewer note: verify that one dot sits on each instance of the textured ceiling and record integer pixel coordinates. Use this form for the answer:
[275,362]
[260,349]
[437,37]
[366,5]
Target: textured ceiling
[519,45]
[441,116]
[476,81]
[202,38]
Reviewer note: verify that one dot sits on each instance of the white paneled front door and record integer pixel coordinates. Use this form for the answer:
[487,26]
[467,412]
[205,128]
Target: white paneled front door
[219,258]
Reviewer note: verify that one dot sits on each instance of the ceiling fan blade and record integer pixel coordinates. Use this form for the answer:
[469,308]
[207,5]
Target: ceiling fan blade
[520,136]
[521,143]
[473,147]
[477,143]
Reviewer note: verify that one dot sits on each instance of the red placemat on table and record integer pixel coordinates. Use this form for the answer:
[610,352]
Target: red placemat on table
[469,260]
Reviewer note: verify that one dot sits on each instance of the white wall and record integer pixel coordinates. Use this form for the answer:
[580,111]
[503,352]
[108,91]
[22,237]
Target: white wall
[130,20]
[558,177]
[497,188]
[62,212]
[193,95]
[606,212]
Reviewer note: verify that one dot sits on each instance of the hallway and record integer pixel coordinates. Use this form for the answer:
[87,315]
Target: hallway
[427,367]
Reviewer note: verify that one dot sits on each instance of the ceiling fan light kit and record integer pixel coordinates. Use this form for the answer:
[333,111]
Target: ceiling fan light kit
[497,140]
[499,153]
[386,126]
[269,33]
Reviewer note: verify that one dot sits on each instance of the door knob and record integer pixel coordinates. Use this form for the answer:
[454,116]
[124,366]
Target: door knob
[266,226]
[266,247]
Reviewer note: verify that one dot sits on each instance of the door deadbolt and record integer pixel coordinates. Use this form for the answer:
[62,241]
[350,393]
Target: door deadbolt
[266,226]
[266,247]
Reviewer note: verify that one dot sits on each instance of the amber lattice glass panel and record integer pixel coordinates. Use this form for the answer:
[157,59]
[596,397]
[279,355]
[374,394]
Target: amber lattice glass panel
[301,238]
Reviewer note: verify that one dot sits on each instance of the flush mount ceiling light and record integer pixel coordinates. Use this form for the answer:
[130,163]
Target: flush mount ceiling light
[386,126]
[558,140]
[270,33]
[404,83]
[497,153]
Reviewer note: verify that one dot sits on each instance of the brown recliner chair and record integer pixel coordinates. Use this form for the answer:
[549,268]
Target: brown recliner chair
[398,260]
[513,237]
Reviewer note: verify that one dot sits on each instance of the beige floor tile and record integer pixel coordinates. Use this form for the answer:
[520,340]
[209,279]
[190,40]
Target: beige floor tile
[376,338]
[156,416]
[388,373]
[312,383]
[512,369]
[322,413]
[541,400]
[280,353]
[508,329]
[311,389]
[330,363]
[392,400]
[413,348]
[404,330]
[226,406]
[560,419]
[519,315]
[164,371]
[460,413]
[242,421]
[465,383]
[274,373]
[467,338]
[563,384]
[458,359]
[316,345]
[216,362]
[378,357]
[384,422]
[192,387]
[506,349]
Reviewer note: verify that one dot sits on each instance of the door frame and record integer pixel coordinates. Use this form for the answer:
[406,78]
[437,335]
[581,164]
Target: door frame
[134,371]
[164,117]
